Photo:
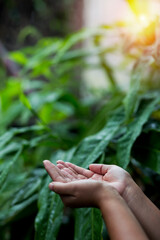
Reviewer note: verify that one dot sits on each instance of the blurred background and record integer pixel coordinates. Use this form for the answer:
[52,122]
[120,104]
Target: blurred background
[24,23]
[67,69]
[45,18]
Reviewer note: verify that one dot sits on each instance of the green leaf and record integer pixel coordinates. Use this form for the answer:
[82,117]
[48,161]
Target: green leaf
[11,213]
[105,112]
[55,218]
[10,114]
[152,125]
[81,53]
[75,38]
[4,139]
[133,130]
[25,101]
[44,201]
[41,54]
[92,147]
[10,148]
[7,137]
[26,31]
[31,186]
[28,105]
[146,150]
[12,184]
[49,217]
[6,170]
[88,224]
[50,213]
[62,155]
[131,99]
[19,57]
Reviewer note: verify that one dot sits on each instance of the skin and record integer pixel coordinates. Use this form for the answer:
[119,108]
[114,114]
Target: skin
[145,211]
[97,187]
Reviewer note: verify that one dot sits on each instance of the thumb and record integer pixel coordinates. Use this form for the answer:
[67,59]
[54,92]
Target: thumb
[61,188]
[99,168]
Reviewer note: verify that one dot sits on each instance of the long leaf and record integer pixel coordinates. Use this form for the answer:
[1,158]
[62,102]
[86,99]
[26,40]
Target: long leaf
[147,150]
[55,218]
[133,130]
[131,100]
[6,137]
[6,170]
[10,214]
[88,224]
[10,148]
[92,147]
[50,213]
[41,220]
[75,38]
[31,186]
[50,206]
[62,155]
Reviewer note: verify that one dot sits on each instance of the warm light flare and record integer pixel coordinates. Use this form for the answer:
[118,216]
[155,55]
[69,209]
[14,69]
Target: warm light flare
[144,20]
[139,6]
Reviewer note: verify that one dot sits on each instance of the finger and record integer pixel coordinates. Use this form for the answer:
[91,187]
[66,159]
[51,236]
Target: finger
[71,173]
[54,172]
[62,163]
[99,168]
[67,165]
[80,170]
[75,171]
[60,166]
[74,175]
[62,188]
[67,169]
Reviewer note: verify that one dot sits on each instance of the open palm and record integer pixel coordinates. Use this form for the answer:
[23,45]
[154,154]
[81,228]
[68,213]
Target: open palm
[67,172]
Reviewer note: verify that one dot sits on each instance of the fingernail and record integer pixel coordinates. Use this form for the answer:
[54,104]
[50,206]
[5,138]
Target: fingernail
[45,162]
[51,186]
[59,160]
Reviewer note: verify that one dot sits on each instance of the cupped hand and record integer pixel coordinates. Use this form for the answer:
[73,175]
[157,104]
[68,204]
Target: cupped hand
[84,193]
[60,173]
[114,175]
[67,172]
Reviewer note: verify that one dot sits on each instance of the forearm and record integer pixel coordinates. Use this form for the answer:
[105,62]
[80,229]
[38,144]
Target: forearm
[120,221]
[145,211]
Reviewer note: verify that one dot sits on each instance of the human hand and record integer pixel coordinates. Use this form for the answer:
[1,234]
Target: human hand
[59,174]
[114,175]
[67,176]
[84,193]
[78,189]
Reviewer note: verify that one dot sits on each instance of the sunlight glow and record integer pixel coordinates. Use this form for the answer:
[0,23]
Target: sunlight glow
[144,20]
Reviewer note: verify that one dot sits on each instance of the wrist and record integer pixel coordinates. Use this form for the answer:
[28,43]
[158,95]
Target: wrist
[131,191]
[109,195]
[110,206]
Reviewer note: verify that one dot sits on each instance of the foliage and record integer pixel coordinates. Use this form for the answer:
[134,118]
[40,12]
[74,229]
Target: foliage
[47,112]
[33,19]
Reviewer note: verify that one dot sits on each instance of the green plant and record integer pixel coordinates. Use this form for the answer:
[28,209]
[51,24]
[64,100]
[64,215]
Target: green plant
[44,113]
